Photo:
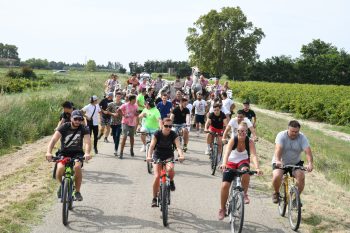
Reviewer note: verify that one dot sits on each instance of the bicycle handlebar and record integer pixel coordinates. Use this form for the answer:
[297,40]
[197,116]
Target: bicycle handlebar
[57,158]
[240,172]
[293,167]
[213,133]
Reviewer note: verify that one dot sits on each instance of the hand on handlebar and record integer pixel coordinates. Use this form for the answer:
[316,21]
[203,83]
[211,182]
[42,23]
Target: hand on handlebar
[259,172]
[309,167]
[87,156]
[279,164]
[223,166]
[49,157]
[149,159]
[181,159]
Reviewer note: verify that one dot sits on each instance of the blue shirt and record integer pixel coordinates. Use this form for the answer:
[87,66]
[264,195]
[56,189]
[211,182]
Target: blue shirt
[164,109]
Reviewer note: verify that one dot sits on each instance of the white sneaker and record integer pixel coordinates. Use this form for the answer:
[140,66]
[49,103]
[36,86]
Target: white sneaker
[207,152]
[143,148]
[197,133]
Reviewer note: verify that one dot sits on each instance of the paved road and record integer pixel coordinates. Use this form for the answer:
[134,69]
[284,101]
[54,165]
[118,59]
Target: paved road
[117,198]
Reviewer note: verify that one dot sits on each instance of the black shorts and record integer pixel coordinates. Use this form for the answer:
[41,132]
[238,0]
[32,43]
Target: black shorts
[290,170]
[162,158]
[199,119]
[229,175]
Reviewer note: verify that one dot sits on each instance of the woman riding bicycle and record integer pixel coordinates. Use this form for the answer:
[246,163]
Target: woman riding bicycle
[162,145]
[237,156]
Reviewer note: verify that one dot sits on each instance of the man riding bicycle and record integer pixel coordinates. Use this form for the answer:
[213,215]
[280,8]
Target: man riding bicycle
[181,119]
[216,123]
[72,135]
[162,145]
[289,145]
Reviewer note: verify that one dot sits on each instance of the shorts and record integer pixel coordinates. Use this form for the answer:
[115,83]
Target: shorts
[128,130]
[229,175]
[105,121]
[288,170]
[177,127]
[162,158]
[215,130]
[199,119]
[147,130]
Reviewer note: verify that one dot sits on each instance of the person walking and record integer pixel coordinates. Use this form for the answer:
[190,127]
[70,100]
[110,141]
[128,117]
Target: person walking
[91,113]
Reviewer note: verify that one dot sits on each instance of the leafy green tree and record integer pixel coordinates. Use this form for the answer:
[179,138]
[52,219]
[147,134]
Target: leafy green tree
[91,66]
[223,42]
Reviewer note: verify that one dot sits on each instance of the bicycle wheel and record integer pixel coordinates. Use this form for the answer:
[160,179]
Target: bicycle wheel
[294,209]
[70,195]
[237,212]
[165,204]
[149,164]
[282,200]
[214,159]
[65,201]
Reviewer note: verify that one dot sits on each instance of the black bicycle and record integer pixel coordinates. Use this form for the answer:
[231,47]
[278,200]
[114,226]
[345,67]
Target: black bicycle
[148,143]
[214,156]
[289,196]
[235,201]
[67,185]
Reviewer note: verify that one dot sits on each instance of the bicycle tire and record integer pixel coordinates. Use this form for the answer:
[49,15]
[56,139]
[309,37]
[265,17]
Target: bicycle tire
[282,200]
[65,201]
[165,205]
[149,164]
[237,212]
[294,209]
[71,191]
[214,159]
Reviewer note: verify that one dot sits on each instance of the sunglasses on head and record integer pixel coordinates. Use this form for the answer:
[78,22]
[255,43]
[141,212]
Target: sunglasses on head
[168,126]
[78,119]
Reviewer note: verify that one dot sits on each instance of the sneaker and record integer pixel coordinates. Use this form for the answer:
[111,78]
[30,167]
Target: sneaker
[221,215]
[143,148]
[246,199]
[115,153]
[132,152]
[154,202]
[121,155]
[207,152]
[275,197]
[99,137]
[78,196]
[96,151]
[185,148]
[106,140]
[172,185]
[59,192]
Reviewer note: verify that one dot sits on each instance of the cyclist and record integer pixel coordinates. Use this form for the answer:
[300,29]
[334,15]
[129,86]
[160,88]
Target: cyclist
[237,156]
[129,122]
[199,106]
[250,114]
[288,146]
[152,121]
[116,120]
[181,119]
[162,144]
[234,123]
[72,134]
[216,123]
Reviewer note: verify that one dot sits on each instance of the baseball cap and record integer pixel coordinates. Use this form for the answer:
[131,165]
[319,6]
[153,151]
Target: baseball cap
[110,94]
[77,113]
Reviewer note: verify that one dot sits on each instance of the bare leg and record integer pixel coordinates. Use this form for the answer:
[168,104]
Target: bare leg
[78,176]
[225,188]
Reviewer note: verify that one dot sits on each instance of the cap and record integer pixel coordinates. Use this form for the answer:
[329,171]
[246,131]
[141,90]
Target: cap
[77,113]
[246,101]
[110,94]
[94,97]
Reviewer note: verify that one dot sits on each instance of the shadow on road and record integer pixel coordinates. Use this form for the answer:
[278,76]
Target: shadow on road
[105,178]
[193,174]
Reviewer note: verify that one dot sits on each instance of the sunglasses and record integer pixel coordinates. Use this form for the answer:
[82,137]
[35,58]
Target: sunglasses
[168,126]
[78,119]
[241,131]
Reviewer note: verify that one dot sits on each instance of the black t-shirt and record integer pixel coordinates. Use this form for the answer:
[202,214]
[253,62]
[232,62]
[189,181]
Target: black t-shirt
[159,99]
[250,114]
[76,144]
[66,116]
[164,146]
[217,121]
[104,104]
[153,96]
[180,116]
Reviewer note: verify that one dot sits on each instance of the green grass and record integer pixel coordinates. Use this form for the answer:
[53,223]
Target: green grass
[344,129]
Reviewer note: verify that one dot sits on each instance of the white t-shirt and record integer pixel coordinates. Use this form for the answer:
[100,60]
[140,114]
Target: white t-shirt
[227,103]
[199,107]
[189,106]
[223,109]
[89,109]
[234,125]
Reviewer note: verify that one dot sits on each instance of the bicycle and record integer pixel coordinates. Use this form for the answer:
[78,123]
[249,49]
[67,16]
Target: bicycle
[67,185]
[235,201]
[213,154]
[148,143]
[164,189]
[289,195]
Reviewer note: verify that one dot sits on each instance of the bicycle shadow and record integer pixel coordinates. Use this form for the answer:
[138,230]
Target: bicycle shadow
[94,220]
[100,177]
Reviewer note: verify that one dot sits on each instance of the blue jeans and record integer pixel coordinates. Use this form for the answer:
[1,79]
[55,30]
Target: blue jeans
[116,131]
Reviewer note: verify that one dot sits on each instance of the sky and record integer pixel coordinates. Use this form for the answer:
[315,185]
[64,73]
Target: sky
[139,30]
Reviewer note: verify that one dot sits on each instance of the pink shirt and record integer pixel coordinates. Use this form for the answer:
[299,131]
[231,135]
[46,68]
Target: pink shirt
[204,82]
[129,114]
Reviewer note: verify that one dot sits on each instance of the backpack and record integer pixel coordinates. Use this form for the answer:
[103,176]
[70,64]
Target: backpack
[246,144]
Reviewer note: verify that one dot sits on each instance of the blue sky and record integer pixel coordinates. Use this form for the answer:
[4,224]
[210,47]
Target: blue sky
[137,30]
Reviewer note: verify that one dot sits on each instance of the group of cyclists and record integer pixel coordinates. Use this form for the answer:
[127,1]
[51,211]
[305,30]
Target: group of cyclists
[143,105]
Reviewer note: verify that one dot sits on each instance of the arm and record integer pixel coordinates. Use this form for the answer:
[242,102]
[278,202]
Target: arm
[57,135]
[172,116]
[188,119]
[252,129]
[310,159]
[254,157]
[179,150]
[151,149]
[207,124]
[278,154]
[87,142]
[227,152]
[226,132]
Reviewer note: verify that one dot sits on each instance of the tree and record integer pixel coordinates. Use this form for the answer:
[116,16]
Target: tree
[91,65]
[223,42]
